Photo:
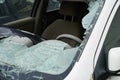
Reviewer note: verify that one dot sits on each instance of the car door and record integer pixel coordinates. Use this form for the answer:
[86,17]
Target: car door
[17,13]
[109,40]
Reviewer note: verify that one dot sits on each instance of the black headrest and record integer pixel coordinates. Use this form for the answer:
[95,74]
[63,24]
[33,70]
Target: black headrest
[73,7]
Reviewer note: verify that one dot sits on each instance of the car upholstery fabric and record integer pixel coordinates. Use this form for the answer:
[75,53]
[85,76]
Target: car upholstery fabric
[61,26]
[73,8]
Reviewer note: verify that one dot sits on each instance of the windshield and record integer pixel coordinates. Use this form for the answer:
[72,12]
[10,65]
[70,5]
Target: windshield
[47,60]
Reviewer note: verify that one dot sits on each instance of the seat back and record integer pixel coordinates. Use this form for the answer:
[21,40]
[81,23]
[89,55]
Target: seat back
[74,9]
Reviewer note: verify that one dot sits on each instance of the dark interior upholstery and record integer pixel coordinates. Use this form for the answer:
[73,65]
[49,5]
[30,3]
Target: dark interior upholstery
[62,26]
[73,8]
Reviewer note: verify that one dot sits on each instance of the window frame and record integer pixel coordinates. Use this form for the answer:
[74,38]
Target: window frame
[99,57]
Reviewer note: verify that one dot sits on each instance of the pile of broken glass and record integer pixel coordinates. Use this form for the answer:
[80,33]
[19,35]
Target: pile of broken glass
[50,56]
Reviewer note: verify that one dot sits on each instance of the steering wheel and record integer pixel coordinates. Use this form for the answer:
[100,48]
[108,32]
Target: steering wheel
[69,36]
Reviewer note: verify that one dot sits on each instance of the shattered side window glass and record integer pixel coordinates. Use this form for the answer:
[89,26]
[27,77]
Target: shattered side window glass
[19,62]
[48,60]
[89,21]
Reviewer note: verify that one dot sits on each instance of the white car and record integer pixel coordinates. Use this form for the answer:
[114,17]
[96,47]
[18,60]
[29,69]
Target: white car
[24,57]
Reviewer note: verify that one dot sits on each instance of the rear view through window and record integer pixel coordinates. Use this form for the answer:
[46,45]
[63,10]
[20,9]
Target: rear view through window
[11,10]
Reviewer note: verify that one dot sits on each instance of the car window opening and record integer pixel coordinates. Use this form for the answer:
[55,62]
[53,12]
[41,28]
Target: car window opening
[50,56]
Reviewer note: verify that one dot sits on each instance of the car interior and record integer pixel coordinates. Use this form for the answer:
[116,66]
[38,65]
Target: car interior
[50,25]
[48,29]
[76,10]
[63,24]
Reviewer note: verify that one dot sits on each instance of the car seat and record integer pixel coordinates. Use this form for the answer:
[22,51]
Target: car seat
[76,9]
